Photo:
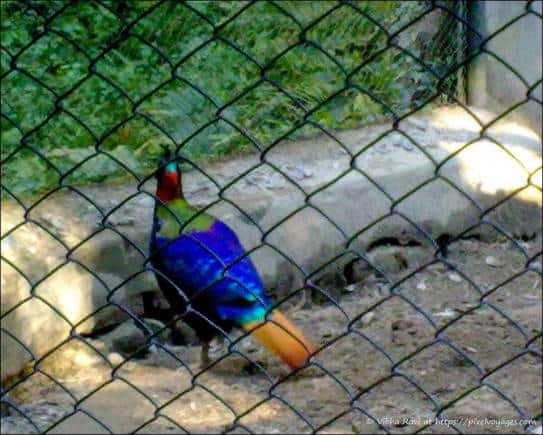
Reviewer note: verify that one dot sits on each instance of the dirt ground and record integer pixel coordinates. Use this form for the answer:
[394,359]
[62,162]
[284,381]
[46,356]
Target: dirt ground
[389,363]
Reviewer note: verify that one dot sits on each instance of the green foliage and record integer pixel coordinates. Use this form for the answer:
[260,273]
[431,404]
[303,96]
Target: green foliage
[215,76]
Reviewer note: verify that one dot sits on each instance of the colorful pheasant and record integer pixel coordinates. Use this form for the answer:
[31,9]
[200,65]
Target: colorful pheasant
[205,263]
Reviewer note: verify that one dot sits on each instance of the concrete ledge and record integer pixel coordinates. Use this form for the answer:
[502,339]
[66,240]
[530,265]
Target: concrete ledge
[415,192]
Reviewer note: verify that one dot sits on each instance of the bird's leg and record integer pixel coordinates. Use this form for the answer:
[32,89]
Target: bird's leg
[204,357]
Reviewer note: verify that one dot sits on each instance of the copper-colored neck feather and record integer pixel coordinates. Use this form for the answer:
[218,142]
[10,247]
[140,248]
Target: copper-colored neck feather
[169,186]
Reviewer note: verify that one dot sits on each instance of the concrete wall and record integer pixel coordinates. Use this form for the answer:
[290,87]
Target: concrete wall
[490,84]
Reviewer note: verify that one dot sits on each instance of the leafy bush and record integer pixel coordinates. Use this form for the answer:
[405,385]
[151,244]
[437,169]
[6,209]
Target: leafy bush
[217,77]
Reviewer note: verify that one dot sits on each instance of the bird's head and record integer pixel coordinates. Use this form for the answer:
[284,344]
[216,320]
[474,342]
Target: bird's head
[168,177]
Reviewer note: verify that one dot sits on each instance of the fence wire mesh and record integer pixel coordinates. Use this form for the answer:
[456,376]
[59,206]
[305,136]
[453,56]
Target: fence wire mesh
[90,92]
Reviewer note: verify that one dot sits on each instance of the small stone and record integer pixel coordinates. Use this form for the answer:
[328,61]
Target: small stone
[115,358]
[350,288]
[367,318]
[408,146]
[471,349]
[494,262]
[455,277]
[298,173]
[421,286]
[446,313]
[86,359]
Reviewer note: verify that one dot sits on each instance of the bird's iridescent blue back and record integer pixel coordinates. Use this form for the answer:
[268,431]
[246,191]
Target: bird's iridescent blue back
[209,263]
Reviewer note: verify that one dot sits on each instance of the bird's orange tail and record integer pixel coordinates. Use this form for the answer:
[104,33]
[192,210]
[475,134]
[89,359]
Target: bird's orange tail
[286,341]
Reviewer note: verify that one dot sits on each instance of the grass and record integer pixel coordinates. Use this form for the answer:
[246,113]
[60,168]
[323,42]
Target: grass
[218,77]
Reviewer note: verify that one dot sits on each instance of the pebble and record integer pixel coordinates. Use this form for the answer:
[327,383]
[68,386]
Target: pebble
[446,313]
[297,173]
[350,288]
[455,277]
[421,286]
[366,319]
[494,262]
[115,358]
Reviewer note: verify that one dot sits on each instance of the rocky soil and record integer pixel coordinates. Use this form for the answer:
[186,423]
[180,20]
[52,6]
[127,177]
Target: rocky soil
[461,344]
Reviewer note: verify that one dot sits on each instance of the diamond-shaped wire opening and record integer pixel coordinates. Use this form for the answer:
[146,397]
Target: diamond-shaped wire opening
[169,378]
[110,256]
[55,61]
[27,172]
[200,411]
[394,401]
[264,181]
[263,31]
[307,74]
[441,371]
[396,80]
[82,420]
[319,408]
[214,140]
[44,316]
[302,233]
[229,72]
[514,375]
[25,396]
[180,32]
[90,25]
[350,108]
[257,112]
[442,294]
[131,139]
[100,166]
[73,291]
[231,377]
[503,175]
[294,154]
[486,403]
[353,186]
[23,26]
[98,105]
[34,251]
[120,406]
[274,414]
[68,214]
[15,104]
[178,109]
[351,358]
[492,340]
[348,35]
[396,329]
[78,367]
[62,140]
[132,53]
[218,14]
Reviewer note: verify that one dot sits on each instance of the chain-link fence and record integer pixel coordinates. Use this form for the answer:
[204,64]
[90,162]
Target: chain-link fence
[396,224]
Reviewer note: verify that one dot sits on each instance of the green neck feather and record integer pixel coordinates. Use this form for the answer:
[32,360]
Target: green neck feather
[184,212]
